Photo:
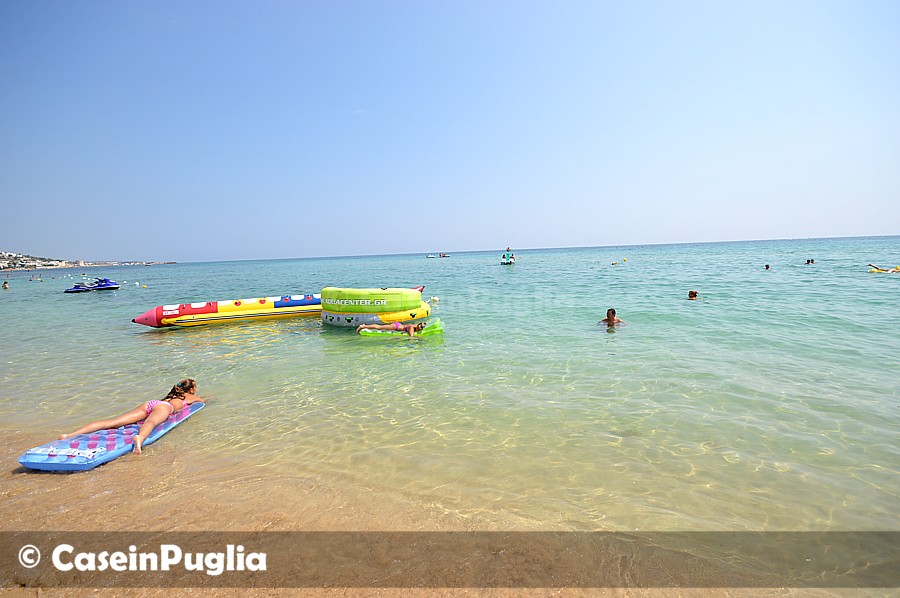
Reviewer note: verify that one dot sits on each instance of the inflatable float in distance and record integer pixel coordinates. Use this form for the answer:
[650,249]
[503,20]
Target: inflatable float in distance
[232,310]
[351,307]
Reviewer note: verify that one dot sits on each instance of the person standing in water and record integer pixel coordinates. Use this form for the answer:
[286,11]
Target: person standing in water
[611,319]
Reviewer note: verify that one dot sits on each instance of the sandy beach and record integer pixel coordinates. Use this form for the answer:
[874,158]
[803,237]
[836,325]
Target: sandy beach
[162,495]
[162,490]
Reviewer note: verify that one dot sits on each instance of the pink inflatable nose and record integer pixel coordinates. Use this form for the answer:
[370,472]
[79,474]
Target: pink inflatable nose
[148,318]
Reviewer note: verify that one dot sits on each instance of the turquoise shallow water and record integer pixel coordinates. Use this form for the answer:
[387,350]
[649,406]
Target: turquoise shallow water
[771,404]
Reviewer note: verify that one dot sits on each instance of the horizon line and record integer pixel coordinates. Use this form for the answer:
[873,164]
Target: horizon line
[407,253]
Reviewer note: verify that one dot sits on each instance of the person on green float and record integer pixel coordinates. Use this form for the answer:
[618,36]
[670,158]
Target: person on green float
[410,329]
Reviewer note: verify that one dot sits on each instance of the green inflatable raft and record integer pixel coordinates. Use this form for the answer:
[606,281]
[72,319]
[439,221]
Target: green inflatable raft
[436,326]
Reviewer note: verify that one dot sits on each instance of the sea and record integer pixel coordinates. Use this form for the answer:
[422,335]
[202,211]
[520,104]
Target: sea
[770,404]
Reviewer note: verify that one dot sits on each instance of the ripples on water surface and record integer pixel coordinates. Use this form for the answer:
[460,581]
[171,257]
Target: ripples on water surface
[770,404]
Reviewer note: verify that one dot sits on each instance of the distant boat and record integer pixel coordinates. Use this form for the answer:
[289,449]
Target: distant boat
[430,255]
[100,284]
[444,255]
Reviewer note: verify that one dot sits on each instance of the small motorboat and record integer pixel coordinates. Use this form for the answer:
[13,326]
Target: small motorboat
[431,255]
[99,284]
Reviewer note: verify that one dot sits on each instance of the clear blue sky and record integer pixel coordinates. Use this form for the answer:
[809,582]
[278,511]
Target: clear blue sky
[194,131]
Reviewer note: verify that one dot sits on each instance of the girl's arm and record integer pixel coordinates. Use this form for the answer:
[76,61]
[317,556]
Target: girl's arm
[189,398]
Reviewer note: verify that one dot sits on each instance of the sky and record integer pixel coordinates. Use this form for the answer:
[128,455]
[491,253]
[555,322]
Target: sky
[222,130]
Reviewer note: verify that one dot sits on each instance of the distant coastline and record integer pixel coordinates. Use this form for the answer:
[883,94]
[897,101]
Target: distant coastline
[10,261]
[28,262]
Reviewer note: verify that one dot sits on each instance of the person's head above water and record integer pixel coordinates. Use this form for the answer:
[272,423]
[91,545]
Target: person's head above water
[611,319]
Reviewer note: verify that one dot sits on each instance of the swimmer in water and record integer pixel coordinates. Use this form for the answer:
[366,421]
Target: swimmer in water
[878,269]
[611,319]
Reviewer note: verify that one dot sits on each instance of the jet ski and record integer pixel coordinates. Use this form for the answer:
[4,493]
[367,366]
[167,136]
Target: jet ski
[99,284]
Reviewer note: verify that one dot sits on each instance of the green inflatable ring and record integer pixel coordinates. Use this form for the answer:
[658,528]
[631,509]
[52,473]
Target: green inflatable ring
[369,301]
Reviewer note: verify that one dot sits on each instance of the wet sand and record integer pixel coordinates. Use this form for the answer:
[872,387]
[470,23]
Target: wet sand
[163,490]
[167,491]
[448,592]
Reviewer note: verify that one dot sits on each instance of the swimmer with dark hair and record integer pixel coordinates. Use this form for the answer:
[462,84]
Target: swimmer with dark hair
[611,319]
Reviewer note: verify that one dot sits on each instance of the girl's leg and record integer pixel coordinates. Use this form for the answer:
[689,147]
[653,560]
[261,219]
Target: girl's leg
[376,327]
[157,416]
[132,417]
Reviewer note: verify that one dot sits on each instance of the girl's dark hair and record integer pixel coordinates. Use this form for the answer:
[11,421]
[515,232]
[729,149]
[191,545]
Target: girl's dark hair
[186,385]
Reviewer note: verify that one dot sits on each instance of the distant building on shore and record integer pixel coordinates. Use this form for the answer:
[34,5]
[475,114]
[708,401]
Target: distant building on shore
[20,261]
